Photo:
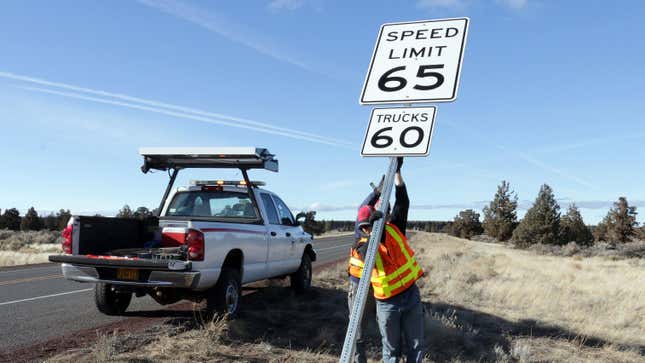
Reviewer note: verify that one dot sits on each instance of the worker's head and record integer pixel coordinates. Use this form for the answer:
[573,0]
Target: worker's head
[363,218]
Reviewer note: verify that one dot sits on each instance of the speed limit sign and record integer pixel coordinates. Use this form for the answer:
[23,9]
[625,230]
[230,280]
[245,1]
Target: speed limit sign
[416,61]
[402,131]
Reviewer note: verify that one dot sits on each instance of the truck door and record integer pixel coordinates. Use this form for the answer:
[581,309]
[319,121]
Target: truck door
[291,231]
[279,242]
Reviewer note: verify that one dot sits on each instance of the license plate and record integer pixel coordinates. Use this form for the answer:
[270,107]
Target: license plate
[127,274]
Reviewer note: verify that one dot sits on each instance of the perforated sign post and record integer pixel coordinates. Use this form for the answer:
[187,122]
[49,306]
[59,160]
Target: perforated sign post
[413,62]
[417,61]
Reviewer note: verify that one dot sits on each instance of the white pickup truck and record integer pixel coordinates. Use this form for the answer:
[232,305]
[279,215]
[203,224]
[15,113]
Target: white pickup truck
[209,238]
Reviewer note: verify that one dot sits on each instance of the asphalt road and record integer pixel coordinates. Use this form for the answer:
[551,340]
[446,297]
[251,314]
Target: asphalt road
[37,304]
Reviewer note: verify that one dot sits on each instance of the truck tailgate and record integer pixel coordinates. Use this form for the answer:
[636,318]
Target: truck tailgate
[103,261]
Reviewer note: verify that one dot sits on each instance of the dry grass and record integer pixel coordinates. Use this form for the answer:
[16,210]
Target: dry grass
[592,297]
[23,248]
[484,303]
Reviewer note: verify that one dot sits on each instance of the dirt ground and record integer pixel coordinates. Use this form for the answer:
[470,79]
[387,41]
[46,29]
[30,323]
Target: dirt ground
[483,303]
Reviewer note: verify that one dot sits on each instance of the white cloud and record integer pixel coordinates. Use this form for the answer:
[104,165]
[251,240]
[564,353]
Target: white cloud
[286,4]
[435,4]
[514,4]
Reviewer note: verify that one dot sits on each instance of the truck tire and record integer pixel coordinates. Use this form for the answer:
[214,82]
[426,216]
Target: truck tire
[301,279]
[224,297]
[109,301]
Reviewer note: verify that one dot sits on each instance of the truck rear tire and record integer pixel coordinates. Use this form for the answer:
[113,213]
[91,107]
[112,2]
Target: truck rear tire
[301,279]
[224,297]
[109,301]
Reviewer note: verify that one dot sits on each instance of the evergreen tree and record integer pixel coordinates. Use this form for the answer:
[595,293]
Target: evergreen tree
[11,219]
[310,225]
[541,224]
[500,216]
[31,221]
[573,227]
[620,221]
[125,212]
[142,213]
[63,217]
[50,222]
[466,224]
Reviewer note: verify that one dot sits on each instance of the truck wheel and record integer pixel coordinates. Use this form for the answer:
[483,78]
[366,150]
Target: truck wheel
[301,279]
[109,301]
[224,297]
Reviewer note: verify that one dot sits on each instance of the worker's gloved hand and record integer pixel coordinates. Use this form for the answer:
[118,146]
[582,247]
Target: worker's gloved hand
[379,188]
[375,216]
[399,164]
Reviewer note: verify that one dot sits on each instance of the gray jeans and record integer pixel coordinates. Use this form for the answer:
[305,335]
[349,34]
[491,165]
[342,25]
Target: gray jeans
[368,313]
[401,318]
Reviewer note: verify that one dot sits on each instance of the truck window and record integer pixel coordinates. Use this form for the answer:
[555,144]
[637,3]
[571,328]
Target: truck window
[286,217]
[270,208]
[212,204]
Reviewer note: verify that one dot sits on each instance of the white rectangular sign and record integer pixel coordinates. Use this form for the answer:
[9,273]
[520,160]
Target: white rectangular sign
[416,61]
[402,131]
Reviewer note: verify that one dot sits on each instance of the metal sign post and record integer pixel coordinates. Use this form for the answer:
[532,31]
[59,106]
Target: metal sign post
[363,285]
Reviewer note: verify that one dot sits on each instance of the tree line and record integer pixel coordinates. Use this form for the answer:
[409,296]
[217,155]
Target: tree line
[11,219]
[543,222]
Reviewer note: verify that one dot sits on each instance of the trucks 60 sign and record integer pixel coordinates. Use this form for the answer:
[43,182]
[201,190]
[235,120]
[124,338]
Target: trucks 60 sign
[416,62]
[402,131]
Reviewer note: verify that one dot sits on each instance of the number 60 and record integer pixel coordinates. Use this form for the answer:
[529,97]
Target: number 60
[380,141]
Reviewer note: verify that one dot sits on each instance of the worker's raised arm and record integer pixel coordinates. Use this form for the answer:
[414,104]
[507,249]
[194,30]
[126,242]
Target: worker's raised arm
[399,216]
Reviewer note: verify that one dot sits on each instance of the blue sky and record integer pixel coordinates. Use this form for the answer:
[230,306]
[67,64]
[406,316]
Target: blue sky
[551,92]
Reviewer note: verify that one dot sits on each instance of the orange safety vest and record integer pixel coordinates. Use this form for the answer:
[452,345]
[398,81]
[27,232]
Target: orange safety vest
[395,268]
[355,262]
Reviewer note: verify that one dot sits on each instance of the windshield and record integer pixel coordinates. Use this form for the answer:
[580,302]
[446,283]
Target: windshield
[212,204]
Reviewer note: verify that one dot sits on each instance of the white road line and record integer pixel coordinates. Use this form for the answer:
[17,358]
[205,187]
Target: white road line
[44,297]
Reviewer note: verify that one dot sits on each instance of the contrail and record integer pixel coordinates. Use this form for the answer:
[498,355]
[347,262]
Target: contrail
[328,140]
[222,27]
[523,156]
[178,114]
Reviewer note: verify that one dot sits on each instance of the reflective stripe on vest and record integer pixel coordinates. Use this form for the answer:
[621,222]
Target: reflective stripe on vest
[406,273]
[355,267]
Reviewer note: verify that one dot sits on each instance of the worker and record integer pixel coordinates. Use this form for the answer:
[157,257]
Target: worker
[398,302]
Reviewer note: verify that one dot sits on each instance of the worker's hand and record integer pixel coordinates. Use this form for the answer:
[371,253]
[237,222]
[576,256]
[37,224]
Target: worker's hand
[379,188]
[375,216]
[399,164]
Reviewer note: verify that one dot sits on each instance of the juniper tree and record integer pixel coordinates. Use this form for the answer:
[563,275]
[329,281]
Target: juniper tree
[63,217]
[125,212]
[31,221]
[142,213]
[541,224]
[11,219]
[620,221]
[500,216]
[466,224]
[50,222]
[573,228]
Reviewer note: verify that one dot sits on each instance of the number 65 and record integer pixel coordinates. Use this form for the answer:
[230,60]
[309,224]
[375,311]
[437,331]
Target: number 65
[424,71]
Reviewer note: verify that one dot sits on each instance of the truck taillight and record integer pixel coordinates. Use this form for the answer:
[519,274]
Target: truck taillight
[195,242]
[67,239]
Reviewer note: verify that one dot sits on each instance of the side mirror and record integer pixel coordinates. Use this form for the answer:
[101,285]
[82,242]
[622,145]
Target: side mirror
[300,218]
